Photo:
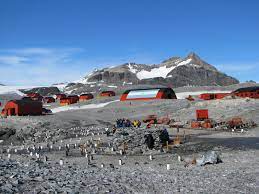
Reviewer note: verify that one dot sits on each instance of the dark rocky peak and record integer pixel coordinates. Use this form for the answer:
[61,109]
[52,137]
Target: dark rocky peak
[193,55]
[171,59]
[196,60]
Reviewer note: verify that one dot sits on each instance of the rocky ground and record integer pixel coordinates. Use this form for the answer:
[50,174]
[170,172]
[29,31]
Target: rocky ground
[237,174]
[31,154]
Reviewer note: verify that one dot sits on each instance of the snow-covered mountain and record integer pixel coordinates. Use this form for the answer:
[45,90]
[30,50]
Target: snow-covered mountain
[175,71]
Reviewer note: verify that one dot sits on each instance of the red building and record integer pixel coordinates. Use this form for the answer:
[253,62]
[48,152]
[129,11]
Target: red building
[221,95]
[148,94]
[22,107]
[69,100]
[107,93]
[202,119]
[212,96]
[35,96]
[59,96]
[249,92]
[75,97]
[202,114]
[84,97]
[49,99]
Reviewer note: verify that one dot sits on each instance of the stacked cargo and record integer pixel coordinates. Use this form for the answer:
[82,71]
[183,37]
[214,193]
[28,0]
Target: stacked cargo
[202,119]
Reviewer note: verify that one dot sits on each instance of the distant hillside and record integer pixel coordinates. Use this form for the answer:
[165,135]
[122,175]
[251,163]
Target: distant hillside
[44,91]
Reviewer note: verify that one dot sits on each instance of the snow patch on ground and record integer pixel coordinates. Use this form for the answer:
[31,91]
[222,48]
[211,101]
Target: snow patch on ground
[84,80]
[156,72]
[88,106]
[131,68]
[186,62]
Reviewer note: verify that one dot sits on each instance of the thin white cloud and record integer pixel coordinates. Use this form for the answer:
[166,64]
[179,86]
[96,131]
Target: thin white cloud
[11,60]
[45,66]
[41,51]
[31,51]
[40,66]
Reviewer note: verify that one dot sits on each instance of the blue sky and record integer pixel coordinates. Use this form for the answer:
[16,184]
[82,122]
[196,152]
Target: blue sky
[44,42]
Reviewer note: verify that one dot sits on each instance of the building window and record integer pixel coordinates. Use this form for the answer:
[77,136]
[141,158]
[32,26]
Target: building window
[143,94]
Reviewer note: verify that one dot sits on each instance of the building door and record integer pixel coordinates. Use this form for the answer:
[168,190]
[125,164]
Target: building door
[11,111]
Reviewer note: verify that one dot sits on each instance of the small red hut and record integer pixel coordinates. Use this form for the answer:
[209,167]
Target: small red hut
[49,99]
[107,93]
[35,96]
[74,97]
[84,97]
[59,96]
[212,96]
[202,114]
[22,107]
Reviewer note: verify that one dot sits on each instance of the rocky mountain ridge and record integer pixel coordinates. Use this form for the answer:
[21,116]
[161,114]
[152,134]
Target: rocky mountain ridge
[173,72]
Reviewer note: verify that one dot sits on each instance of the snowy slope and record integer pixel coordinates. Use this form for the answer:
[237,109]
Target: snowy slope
[161,71]
[85,79]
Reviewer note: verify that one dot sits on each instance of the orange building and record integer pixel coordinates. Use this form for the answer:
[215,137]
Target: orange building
[84,97]
[69,100]
[107,93]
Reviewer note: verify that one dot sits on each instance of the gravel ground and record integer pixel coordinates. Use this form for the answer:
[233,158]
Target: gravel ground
[22,173]
[237,174]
